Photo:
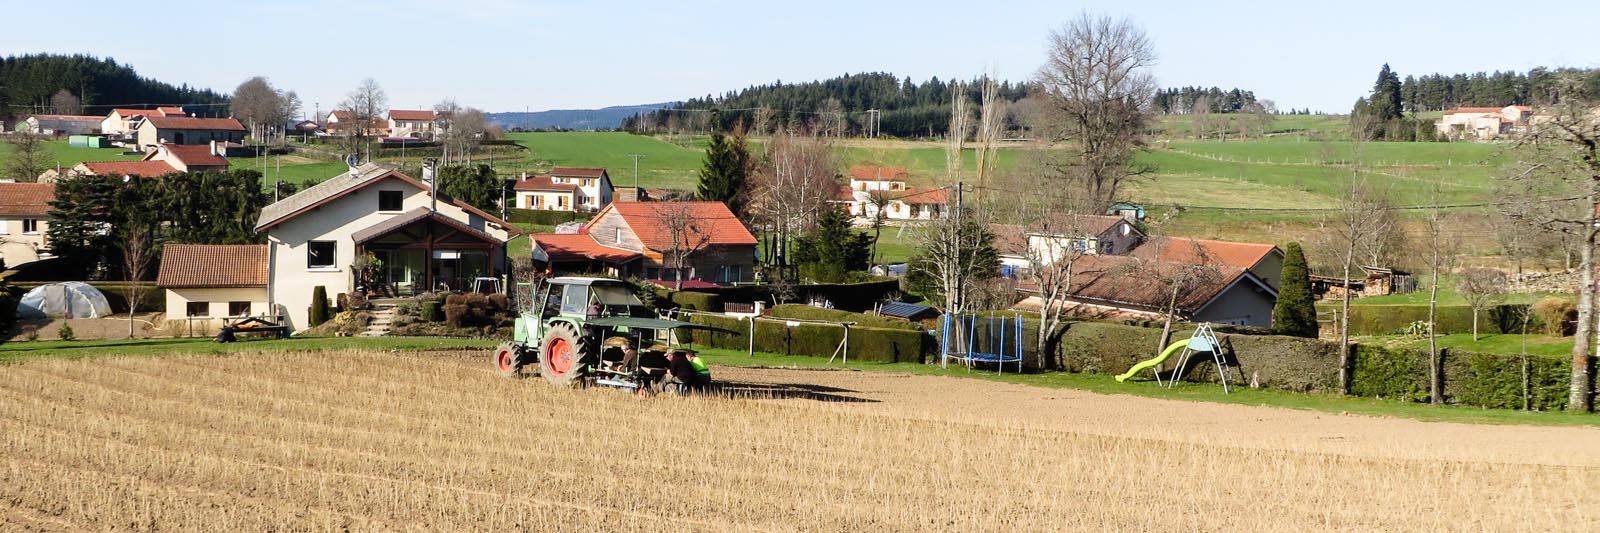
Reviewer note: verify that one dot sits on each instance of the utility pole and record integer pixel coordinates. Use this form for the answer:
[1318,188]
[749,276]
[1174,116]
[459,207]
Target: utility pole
[636,174]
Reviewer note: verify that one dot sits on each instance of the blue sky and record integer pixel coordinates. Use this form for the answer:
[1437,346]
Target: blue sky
[505,55]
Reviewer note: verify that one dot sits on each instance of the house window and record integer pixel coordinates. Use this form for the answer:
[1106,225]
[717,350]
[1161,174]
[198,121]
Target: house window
[198,309]
[618,239]
[732,273]
[391,200]
[319,255]
[238,308]
[30,226]
[561,202]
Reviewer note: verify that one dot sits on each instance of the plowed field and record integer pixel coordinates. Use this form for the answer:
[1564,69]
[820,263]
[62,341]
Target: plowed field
[378,441]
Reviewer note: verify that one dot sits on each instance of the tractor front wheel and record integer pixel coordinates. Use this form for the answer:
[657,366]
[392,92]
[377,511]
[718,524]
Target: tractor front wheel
[508,360]
[564,355]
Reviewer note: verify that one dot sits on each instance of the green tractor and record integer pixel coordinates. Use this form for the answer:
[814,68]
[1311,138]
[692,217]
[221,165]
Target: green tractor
[577,332]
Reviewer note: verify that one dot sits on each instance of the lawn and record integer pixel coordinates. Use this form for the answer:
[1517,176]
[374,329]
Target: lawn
[60,153]
[1188,391]
[1537,344]
[18,351]
[664,165]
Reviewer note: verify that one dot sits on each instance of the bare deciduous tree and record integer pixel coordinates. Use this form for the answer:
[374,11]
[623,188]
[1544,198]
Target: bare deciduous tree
[687,233]
[365,105]
[1482,288]
[1054,235]
[1097,77]
[28,158]
[1177,280]
[793,183]
[135,246]
[1559,168]
[1360,208]
[63,102]
[264,109]
[1438,255]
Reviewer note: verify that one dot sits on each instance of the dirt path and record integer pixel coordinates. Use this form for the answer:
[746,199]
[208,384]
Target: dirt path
[1005,405]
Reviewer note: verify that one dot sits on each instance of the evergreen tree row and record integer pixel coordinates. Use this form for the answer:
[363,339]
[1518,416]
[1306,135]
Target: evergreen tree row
[29,82]
[1438,92]
[1187,100]
[905,108]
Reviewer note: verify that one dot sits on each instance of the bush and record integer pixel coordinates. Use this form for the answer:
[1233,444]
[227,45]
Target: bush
[1383,373]
[455,314]
[1558,315]
[1295,313]
[318,313]
[432,311]
[65,333]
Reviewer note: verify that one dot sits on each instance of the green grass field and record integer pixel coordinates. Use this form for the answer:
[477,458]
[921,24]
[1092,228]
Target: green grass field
[664,165]
[1537,344]
[59,153]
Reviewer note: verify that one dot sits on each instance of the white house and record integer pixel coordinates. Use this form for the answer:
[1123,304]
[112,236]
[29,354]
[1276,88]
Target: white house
[209,283]
[1047,242]
[154,130]
[411,123]
[24,212]
[122,123]
[875,188]
[377,216]
[565,189]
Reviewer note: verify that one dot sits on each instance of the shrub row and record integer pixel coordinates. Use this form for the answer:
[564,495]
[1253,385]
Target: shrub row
[845,296]
[806,312]
[866,344]
[1392,319]
[1470,378]
[538,216]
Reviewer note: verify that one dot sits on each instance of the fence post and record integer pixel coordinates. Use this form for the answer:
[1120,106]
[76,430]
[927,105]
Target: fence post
[750,351]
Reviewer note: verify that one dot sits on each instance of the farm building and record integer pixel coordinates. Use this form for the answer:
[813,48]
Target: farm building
[1484,123]
[578,252]
[211,283]
[1376,281]
[565,189]
[24,221]
[121,123]
[154,130]
[59,125]
[1132,212]
[317,236]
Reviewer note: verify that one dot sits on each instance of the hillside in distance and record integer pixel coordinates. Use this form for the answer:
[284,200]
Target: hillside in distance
[28,83]
[606,118]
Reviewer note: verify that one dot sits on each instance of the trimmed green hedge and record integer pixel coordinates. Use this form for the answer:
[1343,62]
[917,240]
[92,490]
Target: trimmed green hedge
[845,296]
[862,320]
[866,344]
[538,216]
[1470,378]
[1391,319]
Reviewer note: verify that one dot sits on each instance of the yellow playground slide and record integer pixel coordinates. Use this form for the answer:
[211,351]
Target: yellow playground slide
[1171,349]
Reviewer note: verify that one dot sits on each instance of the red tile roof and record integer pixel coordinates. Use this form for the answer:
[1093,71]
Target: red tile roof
[126,113]
[1185,250]
[26,199]
[649,221]
[410,114]
[877,173]
[1474,110]
[194,155]
[845,194]
[543,183]
[577,172]
[938,196]
[143,169]
[213,265]
[172,111]
[194,123]
[560,246]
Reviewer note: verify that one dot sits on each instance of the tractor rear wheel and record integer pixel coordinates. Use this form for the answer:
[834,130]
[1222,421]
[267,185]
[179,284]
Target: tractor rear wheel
[563,355]
[508,360]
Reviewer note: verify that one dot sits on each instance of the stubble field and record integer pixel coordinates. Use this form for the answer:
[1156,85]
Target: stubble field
[383,441]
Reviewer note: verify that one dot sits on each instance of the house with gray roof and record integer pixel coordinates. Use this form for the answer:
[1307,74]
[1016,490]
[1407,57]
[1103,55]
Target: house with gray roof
[378,229]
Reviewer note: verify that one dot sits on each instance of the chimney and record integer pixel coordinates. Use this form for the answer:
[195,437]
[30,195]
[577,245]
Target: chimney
[430,176]
[214,148]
